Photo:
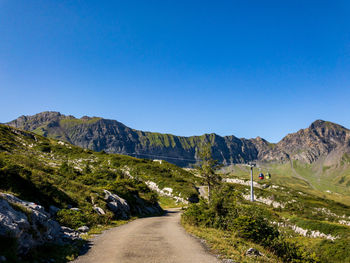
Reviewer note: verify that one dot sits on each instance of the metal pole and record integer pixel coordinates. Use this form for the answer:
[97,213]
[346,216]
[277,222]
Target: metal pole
[251,184]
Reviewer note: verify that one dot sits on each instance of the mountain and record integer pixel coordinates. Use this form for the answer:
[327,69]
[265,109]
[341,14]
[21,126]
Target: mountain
[114,137]
[320,139]
[307,145]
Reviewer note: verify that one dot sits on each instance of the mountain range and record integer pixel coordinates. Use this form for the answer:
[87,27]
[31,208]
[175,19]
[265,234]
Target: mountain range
[60,190]
[323,140]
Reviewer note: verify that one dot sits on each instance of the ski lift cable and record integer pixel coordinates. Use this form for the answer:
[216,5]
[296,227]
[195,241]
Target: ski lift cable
[166,157]
[160,156]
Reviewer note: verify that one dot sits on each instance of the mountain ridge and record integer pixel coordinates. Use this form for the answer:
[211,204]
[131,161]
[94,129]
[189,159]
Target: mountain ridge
[96,133]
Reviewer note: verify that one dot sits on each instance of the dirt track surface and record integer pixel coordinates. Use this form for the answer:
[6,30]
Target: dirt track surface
[147,240]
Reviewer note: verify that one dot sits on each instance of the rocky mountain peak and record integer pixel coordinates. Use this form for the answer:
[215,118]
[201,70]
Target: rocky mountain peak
[317,124]
[320,124]
[319,139]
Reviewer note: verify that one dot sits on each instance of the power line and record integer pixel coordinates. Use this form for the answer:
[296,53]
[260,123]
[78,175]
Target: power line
[164,157]
[160,156]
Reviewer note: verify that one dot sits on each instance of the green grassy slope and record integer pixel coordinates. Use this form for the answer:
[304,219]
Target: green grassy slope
[331,182]
[50,172]
[232,224]
[42,156]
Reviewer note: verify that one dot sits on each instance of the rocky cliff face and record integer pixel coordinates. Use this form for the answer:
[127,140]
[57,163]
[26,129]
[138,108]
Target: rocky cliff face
[307,145]
[320,139]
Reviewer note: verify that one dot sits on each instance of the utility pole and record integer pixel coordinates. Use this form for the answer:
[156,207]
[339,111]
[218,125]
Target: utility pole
[251,182]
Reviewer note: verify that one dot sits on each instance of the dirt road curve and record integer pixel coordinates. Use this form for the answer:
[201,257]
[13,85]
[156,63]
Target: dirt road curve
[147,240]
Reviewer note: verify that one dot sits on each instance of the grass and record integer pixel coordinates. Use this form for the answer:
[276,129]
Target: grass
[167,202]
[98,229]
[228,246]
[333,229]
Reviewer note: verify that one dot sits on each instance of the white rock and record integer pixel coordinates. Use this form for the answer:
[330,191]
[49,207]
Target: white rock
[38,230]
[117,205]
[99,210]
[253,252]
[167,191]
[83,229]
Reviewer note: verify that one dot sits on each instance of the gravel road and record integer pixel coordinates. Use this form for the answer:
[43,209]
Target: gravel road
[147,240]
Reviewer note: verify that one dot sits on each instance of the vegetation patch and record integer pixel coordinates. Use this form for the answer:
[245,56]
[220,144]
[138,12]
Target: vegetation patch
[54,173]
[230,213]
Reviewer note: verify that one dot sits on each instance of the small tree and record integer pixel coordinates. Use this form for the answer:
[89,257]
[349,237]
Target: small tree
[207,168]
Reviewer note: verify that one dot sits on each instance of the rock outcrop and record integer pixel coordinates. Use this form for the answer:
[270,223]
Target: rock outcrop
[122,210]
[117,205]
[145,209]
[30,224]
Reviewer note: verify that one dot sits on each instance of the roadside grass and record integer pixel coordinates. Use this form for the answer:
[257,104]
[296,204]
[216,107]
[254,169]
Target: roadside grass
[228,246]
[166,202]
[96,230]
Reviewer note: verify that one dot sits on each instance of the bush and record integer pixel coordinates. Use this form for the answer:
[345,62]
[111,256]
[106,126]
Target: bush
[71,218]
[291,252]
[255,229]
[334,251]
[44,147]
[197,215]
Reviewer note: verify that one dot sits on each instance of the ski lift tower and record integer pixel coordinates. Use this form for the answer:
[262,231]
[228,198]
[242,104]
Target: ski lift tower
[251,165]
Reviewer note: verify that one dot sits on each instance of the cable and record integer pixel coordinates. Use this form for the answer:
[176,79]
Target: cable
[164,157]
[160,156]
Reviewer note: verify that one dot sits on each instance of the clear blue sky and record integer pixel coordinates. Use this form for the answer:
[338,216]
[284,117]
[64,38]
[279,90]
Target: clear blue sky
[247,68]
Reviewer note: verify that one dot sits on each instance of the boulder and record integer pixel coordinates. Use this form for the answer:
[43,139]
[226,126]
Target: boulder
[145,208]
[83,229]
[117,205]
[13,199]
[253,252]
[99,210]
[11,221]
[69,234]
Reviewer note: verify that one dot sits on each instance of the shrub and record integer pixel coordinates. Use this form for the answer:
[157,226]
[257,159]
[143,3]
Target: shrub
[334,251]
[255,229]
[290,252]
[71,218]
[44,147]
[196,214]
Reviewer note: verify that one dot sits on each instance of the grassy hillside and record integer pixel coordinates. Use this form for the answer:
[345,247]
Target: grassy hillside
[284,224]
[324,181]
[50,172]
